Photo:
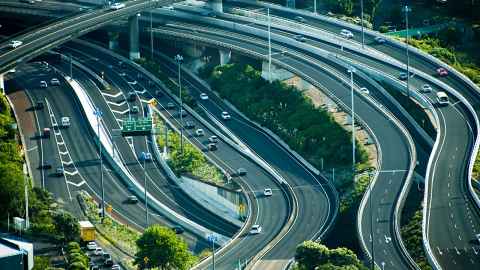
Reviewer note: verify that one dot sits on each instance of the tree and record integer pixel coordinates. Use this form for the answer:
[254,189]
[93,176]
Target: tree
[160,247]
[67,225]
[312,255]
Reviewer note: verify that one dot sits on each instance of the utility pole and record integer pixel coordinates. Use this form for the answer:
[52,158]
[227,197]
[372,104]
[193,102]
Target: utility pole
[352,70]
[25,183]
[269,48]
[212,238]
[363,33]
[406,10]
[144,157]
[99,114]
[179,60]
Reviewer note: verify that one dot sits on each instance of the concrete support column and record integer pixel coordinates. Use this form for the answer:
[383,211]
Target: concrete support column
[290,3]
[277,73]
[2,83]
[225,56]
[134,37]
[194,51]
[216,5]
[113,40]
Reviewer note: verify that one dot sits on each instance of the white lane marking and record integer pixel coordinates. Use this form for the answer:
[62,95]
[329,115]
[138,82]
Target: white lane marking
[117,104]
[77,185]
[67,163]
[120,112]
[31,149]
[439,251]
[112,95]
[141,92]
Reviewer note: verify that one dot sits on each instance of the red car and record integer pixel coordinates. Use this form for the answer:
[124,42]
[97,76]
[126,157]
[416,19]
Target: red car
[442,72]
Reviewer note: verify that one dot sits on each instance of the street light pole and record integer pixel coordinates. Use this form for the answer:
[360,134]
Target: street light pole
[25,183]
[407,9]
[363,33]
[179,60]
[151,35]
[371,223]
[144,156]
[71,69]
[98,114]
[269,48]
[351,71]
[315,6]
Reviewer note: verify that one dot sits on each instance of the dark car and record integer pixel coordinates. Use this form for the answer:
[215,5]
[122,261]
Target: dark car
[108,263]
[39,105]
[189,125]
[132,96]
[178,229]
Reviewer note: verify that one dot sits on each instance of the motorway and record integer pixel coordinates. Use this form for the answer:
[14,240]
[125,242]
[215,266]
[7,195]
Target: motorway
[79,153]
[453,243]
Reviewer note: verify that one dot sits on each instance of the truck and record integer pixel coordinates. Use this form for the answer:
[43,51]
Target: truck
[87,231]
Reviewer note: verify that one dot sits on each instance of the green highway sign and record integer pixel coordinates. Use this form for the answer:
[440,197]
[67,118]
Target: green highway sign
[137,126]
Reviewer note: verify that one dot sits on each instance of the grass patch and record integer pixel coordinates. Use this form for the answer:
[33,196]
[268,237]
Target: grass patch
[192,162]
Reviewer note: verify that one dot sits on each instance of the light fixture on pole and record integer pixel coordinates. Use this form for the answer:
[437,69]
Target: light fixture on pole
[407,9]
[212,238]
[179,60]
[352,70]
[99,114]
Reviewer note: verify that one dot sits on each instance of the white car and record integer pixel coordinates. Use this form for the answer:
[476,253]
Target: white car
[213,139]
[364,90]
[203,96]
[15,43]
[169,7]
[478,237]
[92,246]
[54,81]
[267,192]
[65,121]
[226,116]
[346,33]
[146,157]
[43,84]
[117,6]
[380,40]
[98,251]
[256,229]
[199,132]
[426,88]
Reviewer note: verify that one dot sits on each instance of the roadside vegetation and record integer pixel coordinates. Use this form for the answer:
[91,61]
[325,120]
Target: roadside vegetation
[192,162]
[312,255]
[160,247]
[75,257]
[412,237]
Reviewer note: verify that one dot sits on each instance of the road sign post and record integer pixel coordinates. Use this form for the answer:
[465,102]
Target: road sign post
[212,238]
[137,126]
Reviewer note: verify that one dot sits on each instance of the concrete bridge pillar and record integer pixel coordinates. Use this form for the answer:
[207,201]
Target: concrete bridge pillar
[225,56]
[113,40]
[134,37]
[276,72]
[216,5]
[194,51]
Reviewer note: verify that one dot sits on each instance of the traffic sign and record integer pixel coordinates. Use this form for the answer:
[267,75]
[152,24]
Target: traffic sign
[137,127]
[212,238]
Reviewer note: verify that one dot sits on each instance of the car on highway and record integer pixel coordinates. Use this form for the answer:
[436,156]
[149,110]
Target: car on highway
[402,76]
[98,251]
[158,93]
[65,121]
[132,96]
[379,40]
[442,98]
[46,132]
[108,263]
[170,105]
[346,33]
[15,43]
[54,81]
[226,116]
[168,8]
[135,109]
[59,171]
[132,199]
[267,192]
[364,90]
[212,147]
[28,1]
[122,74]
[241,171]
[178,229]
[117,6]
[203,96]
[426,88]
[39,105]
[189,125]
[442,72]
[91,246]
[116,267]
[477,236]
[213,139]
[256,229]
[43,84]
[146,156]
[183,112]
[300,19]
[300,38]
[199,132]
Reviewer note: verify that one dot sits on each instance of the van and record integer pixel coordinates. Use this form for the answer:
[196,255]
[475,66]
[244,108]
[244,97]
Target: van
[442,98]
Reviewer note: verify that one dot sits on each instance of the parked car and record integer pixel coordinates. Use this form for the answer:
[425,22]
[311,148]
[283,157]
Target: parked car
[256,229]
[54,81]
[226,116]
[203,96]
[267,192]
[15,43]
[213,139]
[346,33]
[107,256]
[43,84]
[426,88]
[299,38]
[91,246]
[442,72]
[199,132]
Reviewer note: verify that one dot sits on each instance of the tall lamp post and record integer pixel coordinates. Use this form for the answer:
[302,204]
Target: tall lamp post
[212,238]
[179,60]
[361,17]
[371,221]
[99,114]
[151,35]
[269,48]
[352,70]
[407,9]
[144,157]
